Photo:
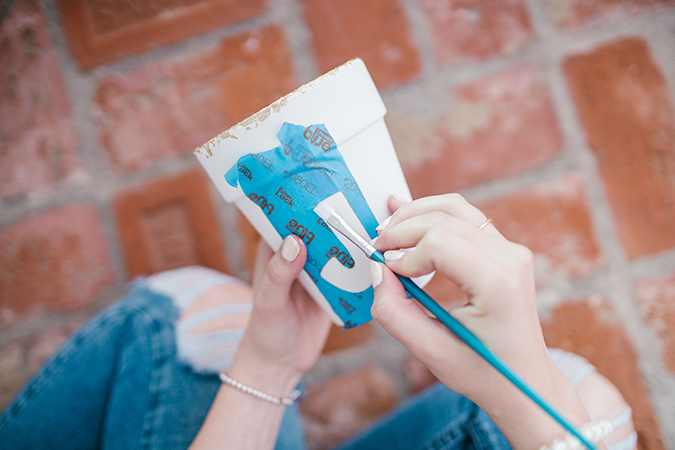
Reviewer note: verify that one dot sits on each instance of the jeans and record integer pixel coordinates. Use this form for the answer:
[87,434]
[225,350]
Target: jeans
[116,384]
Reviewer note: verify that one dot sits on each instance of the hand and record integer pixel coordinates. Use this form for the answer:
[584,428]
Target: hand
[497,277]
[287,329]
[283,339]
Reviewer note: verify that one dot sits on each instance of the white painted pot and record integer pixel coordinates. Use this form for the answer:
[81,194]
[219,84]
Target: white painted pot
[347,102]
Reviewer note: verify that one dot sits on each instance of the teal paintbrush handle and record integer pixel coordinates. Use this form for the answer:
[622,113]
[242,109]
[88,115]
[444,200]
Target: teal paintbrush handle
[472,341]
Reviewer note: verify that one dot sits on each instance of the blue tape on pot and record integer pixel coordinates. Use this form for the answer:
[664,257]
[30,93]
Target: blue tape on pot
[287,183]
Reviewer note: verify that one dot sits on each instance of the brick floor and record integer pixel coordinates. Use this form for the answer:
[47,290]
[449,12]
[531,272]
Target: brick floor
[555,116]
[102,31]
[591,328]
[58,259]
[169,223]
[552,219]
[473,30]
[336,409]
[656,297]
[627,110]
[376,31]
[493,127]
[581,14]
[38,140]
[171,106]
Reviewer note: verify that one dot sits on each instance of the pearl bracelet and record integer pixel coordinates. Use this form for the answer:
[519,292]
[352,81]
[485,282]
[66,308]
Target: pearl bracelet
[259,394]
[594,431]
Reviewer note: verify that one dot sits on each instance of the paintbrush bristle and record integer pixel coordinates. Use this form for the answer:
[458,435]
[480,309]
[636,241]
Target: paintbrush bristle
[324,211]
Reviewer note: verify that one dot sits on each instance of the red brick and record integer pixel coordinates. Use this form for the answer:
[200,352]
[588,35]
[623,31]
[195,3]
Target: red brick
[336,409]
[47,343]
[584,14]
[591,328]
[553,220]
[626,108]
[169,223]
[473,30]
[353,337]
[104,30]
[493,127]
[657,301]
[13,370]
[38,142]
[169,107]
[58,259]
[377,31]
[249,238]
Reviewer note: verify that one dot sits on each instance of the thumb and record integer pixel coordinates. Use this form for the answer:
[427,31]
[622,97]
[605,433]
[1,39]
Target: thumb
[282,269]
[400,316]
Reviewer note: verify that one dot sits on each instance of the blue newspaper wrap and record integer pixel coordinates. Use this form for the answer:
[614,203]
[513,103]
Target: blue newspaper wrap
[287,183]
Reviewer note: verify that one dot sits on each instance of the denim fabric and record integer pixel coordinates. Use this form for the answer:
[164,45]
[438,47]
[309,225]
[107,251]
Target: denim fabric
[436,419]
[116,384]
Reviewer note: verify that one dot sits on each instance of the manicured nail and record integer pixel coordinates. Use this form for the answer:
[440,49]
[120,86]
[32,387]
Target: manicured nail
[398,198]
[290,249]
[384,224]
[375,273]
[393,255]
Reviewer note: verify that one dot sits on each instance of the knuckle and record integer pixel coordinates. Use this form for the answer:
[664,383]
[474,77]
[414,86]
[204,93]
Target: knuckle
[437,217]
[455,198]
[441,233]
[275,274]
[437,235]
[382,312]
[523,256]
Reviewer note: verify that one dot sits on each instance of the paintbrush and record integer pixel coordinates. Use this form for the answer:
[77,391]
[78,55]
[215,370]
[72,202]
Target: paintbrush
[336,222]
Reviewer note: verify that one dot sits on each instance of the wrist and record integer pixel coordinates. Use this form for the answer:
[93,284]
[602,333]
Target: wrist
[523,422]
[278,381]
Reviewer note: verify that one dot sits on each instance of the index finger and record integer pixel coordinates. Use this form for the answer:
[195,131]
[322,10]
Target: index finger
[452,204]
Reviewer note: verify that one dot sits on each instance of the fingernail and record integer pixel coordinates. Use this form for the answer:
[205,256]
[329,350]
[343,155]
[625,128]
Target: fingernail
[384,224]
[393,255]
[290,249]
[398,198]
[372,241]
[376,273]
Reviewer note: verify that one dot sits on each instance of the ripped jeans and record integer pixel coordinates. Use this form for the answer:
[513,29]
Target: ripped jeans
[117,383]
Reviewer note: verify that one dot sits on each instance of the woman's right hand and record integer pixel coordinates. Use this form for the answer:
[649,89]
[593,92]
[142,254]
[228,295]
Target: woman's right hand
[497,276]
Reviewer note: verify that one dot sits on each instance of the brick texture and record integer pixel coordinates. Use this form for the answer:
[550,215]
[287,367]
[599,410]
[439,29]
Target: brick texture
[336,409]
[57,260]
[472,30]
[99,31]
[38,142]
[13,370]
[169,107]
[626,108]
[553,220]
[592,329]
[353,337]
[657,301]
[377,31]
[493,127]
[249,239]
[22,356]
[584,14]
[169,223]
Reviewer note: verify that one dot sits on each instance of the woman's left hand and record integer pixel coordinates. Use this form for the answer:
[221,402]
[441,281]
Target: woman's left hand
[287,328]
